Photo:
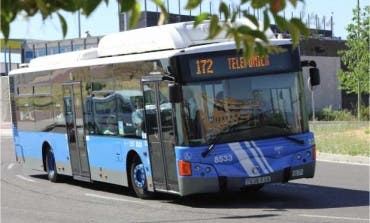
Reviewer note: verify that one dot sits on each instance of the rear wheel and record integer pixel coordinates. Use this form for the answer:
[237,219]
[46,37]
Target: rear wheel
[138,178]
[51,167]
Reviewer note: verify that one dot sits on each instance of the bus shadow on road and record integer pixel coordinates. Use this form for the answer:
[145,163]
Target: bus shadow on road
[274,197]
[96,186]
[280,197]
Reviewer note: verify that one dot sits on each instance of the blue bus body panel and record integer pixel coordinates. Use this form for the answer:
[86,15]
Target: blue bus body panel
[107,157]
[250,158]
[28,146]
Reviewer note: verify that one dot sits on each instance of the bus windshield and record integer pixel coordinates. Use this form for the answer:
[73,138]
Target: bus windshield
[242,109]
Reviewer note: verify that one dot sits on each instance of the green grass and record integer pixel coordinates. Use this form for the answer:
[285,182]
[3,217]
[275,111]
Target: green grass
[351,138]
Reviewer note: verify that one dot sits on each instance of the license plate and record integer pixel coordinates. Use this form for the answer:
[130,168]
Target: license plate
[297,173]
[258,180]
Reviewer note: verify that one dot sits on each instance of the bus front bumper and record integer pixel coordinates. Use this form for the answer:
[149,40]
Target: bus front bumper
[199,185]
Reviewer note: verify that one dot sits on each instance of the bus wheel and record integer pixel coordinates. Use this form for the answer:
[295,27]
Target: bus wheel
[138,178]
[51,167]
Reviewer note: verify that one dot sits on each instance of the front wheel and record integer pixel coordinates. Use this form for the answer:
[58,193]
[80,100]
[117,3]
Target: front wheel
[51,167]
[138,178]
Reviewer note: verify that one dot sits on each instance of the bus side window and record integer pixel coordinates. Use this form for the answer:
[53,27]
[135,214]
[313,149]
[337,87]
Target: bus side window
[138,115]
[89,117]
[124,112]
[105,117]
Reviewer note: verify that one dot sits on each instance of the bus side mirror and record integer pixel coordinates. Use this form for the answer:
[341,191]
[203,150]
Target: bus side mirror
[314,76]
[175,95]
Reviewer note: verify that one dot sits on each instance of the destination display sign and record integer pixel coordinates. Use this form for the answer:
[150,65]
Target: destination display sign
[230,63]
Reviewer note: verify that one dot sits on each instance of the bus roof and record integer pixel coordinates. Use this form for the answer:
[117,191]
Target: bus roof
[141,44]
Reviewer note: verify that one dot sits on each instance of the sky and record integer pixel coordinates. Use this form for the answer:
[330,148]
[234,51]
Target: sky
[104,19]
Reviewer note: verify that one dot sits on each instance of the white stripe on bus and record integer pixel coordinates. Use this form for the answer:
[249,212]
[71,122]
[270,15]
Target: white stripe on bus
[256,157]
[243,158]
[262,157]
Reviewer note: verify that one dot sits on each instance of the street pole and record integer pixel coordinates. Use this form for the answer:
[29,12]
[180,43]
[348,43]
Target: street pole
[358,79]
[358,100]
[313,104]
[79,23]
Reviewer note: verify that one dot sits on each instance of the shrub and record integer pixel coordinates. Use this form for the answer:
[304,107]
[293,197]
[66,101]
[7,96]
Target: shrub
[365,113]
[327,114]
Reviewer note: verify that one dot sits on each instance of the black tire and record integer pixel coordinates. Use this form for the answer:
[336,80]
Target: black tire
[138,178]
[51,167]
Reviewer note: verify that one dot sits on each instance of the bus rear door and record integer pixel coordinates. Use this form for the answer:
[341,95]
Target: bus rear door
[160,133]
[73,112]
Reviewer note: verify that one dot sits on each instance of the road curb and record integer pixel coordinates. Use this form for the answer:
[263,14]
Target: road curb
[363,160]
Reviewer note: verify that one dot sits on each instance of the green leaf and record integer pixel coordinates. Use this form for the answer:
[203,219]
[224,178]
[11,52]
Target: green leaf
[63,23]
[294,2]
[238,41]
[127,5]
[300,25]
[224,9]
[200,18]
[164,14]
[257,4]
[256,34]
[266,20]
[281,22]
[193,4]
[245,30]
[251,18]
[234,15]
[90,6]
[248,49]
[261,50]
[135,14]
[259,35]
[294,33]
[43,9]
[5,28]
[214,27]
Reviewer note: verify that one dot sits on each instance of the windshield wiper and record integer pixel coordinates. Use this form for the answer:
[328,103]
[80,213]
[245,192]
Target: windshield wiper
[289,130]
[299,141]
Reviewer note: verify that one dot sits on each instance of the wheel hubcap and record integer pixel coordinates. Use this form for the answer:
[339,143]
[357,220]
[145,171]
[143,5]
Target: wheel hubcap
[139,175]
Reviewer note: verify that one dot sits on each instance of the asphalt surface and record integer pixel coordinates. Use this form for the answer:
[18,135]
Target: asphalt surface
[338,193]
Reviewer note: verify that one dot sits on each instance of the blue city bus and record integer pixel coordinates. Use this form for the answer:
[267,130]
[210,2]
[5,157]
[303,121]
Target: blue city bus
[175,113]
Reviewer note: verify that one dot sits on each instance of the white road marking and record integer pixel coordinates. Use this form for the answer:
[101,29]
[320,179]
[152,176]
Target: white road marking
[112,198]
[341,162]
[334,217]
[10,166]
[25,178]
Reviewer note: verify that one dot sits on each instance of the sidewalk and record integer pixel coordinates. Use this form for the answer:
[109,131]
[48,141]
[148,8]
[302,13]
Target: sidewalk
[339,158]
[5,125]
[5,129]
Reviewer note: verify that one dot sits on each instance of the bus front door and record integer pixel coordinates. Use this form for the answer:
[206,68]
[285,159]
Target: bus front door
[73,113]
[160,134]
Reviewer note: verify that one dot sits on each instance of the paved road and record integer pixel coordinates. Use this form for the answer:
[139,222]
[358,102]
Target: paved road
[338,193]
